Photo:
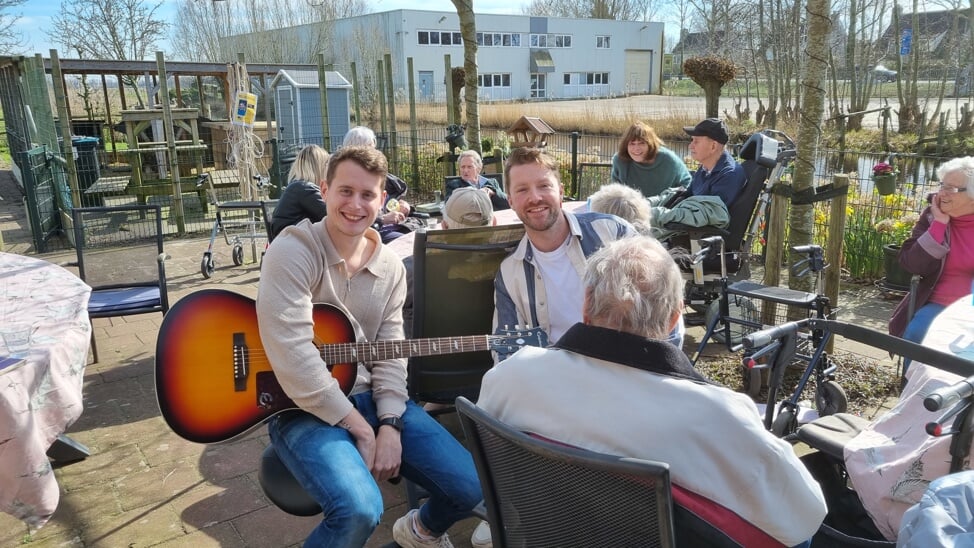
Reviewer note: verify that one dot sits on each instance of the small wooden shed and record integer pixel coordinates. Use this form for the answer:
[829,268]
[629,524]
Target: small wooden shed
[298,103]
[530,131]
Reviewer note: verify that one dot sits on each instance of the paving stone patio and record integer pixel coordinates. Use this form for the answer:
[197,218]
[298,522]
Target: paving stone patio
[145,486]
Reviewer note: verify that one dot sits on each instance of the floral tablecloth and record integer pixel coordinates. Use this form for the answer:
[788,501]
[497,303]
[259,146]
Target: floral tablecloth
[43,317]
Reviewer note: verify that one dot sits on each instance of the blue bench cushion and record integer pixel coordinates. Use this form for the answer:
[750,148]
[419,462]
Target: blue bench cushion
[117,300]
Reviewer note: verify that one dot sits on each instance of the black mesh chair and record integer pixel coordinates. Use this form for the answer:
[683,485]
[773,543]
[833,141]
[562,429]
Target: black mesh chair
[540,493]
[453,295]
[121,256]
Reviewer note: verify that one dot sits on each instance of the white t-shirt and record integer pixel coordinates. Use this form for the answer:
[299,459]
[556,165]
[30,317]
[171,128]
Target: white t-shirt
[563,289]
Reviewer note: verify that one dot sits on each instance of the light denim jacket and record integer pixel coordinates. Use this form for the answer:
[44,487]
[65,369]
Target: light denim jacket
[519,284]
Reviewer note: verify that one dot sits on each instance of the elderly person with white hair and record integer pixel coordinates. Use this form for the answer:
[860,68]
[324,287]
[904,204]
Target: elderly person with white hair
[470,167]
[941,250]
[618,362]
[625,202]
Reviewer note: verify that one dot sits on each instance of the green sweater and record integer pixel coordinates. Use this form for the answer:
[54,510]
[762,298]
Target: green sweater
[666,171]
[303,267]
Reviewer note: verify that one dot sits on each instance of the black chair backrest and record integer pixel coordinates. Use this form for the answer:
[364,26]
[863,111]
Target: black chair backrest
[759,157]
[119,246]
[540,493]
[453,295]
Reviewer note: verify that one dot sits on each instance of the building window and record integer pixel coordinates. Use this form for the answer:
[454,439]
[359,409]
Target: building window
[436,38]
[499,39]
[500,80]
[551,40]
[602,42]
[597,78]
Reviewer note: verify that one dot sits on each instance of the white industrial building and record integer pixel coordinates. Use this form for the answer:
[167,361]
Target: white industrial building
[519,56]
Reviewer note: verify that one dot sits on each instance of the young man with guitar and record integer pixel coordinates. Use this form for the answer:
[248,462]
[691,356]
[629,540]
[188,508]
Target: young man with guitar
[336,445]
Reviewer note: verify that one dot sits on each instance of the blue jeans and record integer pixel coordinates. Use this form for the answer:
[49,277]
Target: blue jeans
[917,329]
[325,462]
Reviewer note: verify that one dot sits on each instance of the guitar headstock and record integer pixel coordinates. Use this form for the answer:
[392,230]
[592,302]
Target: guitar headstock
[510,341]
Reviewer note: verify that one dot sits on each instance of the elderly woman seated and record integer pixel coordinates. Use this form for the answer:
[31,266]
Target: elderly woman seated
[470,167]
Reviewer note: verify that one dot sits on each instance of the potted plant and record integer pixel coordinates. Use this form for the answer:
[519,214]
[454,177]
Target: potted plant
[895,232]
[884,178]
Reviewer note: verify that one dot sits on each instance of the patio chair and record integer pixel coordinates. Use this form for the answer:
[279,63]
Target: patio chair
[453,295]
[121,256]
[540,493]
[456,267]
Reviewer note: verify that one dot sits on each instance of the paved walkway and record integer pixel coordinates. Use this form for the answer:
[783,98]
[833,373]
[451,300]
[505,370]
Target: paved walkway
[145,486]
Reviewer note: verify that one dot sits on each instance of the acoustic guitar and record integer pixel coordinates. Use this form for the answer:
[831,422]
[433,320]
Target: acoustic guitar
[214,382]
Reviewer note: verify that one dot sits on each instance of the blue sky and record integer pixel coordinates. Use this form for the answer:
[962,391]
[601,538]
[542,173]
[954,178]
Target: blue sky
[36,15]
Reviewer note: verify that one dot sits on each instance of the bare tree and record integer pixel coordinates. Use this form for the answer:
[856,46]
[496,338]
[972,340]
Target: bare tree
[468,29]
[268,31]
[621,10]
[109,29]
[11,41]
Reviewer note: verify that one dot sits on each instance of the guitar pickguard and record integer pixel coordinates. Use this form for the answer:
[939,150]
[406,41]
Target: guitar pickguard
[270,395]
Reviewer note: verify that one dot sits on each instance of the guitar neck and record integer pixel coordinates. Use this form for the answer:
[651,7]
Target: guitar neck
[388,350]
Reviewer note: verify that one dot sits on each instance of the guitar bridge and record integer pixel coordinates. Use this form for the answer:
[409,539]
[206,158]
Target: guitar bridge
[241,362]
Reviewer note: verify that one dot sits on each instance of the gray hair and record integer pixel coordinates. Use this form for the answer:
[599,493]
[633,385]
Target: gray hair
[626,202]
[359,136]
[963,165]
[633,285]
[470,153]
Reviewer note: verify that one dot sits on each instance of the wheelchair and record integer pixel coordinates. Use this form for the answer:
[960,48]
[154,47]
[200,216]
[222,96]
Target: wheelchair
[765,156]
[847,523]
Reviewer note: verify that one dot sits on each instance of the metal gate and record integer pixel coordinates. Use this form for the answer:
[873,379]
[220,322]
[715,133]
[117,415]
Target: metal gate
[46,190]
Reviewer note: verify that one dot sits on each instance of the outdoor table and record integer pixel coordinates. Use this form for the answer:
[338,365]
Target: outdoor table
[44,319]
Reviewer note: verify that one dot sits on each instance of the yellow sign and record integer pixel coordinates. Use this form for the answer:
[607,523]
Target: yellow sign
[246,109]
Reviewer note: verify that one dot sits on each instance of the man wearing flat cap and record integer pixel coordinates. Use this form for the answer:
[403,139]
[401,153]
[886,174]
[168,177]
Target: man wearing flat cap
[719,174]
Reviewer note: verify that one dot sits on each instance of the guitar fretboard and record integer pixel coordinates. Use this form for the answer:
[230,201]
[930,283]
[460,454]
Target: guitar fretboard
[386,350]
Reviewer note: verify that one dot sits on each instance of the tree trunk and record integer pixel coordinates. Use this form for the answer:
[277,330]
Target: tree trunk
[801,222]
[468,29]
[711,91]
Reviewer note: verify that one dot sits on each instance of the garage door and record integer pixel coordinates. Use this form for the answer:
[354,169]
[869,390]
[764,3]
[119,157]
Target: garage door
[639,70]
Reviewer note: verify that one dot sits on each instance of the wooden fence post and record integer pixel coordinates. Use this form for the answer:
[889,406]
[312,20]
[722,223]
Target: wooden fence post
[833,246]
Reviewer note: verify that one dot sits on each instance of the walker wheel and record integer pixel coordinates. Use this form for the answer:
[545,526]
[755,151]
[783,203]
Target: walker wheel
[206,266]
[753,382]
[785,423]
[237,255]
[830,398]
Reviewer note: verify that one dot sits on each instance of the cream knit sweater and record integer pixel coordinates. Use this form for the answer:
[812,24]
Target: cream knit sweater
[303,267]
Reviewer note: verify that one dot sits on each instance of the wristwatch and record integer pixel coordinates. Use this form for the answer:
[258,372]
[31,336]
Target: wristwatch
[395,422]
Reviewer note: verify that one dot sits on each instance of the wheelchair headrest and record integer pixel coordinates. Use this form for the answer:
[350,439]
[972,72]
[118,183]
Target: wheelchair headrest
[760,148]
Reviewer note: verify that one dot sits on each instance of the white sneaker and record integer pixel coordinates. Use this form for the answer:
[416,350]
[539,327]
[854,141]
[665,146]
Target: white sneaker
[481,536]
[406,537]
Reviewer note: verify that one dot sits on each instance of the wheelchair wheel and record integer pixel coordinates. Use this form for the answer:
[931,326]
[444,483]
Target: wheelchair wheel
[785,423]
[830,398]
[206,266]
[237,255]
[740,308]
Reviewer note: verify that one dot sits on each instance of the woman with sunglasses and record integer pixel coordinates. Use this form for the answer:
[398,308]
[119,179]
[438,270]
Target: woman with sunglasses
[940,250]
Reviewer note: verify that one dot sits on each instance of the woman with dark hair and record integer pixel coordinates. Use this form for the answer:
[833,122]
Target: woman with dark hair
[643,163]
[301,198]
[941,250]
